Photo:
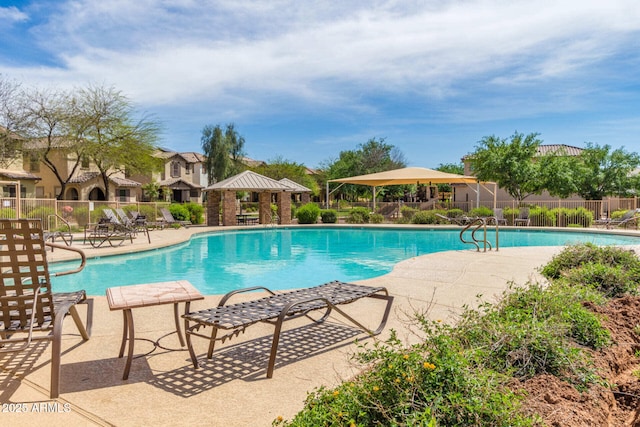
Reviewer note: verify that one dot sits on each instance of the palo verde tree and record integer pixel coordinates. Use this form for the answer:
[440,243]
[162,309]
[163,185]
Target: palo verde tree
[602,172]
[52,123]
[510,163]
[373,156]
[113,140]
[10,121]
[280,168]
[223,151]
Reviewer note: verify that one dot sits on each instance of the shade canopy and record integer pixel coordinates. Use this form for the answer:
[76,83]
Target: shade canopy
[407,176]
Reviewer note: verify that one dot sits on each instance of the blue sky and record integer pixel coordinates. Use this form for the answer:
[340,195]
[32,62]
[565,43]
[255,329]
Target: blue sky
[304,80]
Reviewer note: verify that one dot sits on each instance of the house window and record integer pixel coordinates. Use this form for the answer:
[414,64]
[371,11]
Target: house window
[40,192]
[175,170]
[84,162]
[34,163]
[188,168]
[123,194]
[194,194]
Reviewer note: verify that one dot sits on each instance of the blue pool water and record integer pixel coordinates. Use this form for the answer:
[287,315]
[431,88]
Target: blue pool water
[292,257]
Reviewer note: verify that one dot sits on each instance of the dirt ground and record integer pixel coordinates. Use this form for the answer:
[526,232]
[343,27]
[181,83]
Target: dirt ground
[560,404]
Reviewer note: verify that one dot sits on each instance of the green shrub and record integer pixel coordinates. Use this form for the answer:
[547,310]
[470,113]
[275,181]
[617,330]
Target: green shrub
[587,253]
[196,212]
[579,217]
[453,213]
[376,218]
[41,212]
[408,212]
[541,216]
[8,213]
[329,216]
[81,215]
[358,215]
[481,211]
[180,212]
[308,214]
[425,217]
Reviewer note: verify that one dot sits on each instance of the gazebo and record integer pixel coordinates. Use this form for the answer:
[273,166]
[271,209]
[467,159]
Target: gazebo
[304,192]
[223,194]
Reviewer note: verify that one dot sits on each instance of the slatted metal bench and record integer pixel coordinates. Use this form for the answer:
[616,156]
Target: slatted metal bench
[276,308]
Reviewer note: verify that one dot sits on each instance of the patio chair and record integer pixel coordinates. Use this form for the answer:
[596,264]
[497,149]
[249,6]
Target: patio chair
[626,219]
[168,218]
[523,217]
[499,216]
[461,220]
[29,309]
[133,225]
[109,230]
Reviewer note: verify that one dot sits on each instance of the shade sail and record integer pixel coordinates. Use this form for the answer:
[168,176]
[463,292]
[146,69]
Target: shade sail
[407,176]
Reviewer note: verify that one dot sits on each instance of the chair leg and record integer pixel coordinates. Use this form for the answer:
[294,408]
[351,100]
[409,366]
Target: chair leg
[85,329]
[56,351]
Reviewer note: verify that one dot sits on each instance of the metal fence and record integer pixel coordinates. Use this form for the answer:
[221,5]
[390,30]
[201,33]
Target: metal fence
[545,213]
[75,212]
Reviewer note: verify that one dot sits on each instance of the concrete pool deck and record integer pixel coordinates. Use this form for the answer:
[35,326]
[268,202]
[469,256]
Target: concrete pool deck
[231,389]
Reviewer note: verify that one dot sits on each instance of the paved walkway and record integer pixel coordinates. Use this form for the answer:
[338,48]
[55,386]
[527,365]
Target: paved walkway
[231,390]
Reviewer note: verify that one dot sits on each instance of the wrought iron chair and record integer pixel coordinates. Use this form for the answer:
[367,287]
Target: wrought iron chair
[29,309]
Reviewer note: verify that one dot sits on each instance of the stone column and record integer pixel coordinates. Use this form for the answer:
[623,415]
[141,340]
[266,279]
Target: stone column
[264,207]
[284,207]
[213,208]
[305,198]
[229,208]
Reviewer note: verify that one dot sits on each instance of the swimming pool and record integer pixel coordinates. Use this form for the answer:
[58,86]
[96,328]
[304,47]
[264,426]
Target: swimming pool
[285,258]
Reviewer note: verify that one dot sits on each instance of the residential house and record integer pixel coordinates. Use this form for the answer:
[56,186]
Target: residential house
[84,184]
[183,176]
[13,176]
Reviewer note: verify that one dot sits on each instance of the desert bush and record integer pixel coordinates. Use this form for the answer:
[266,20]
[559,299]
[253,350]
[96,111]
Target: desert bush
[481,211]
[41,212]
[408,212]
[541,216]
[358,215]
[579,217]
[196,212]
[8,213]
[308,214]
[376,218]
[329,216]
[425,217]
[180,212]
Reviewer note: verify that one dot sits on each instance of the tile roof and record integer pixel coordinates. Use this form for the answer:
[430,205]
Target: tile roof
[248,181]
[13,174]
[559,149]
[88,176]
[172,182]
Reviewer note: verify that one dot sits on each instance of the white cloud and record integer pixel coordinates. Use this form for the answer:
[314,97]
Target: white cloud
[162,52]
[10,15]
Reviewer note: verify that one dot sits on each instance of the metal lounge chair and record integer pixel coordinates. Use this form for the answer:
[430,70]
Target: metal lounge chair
[109,230]
[626,219]
[499,216]
[133,225]
[523,217]
[29,310]
[275,309]
[168,218]
[462,220]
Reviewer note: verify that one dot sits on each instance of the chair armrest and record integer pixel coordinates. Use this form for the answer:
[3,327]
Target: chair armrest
[228,295]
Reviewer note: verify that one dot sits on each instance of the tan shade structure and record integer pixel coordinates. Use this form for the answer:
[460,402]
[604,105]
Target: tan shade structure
[407,176]
[413,175]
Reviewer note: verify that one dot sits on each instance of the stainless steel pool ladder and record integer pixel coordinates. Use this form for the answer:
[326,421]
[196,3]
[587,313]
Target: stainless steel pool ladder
[477,224]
